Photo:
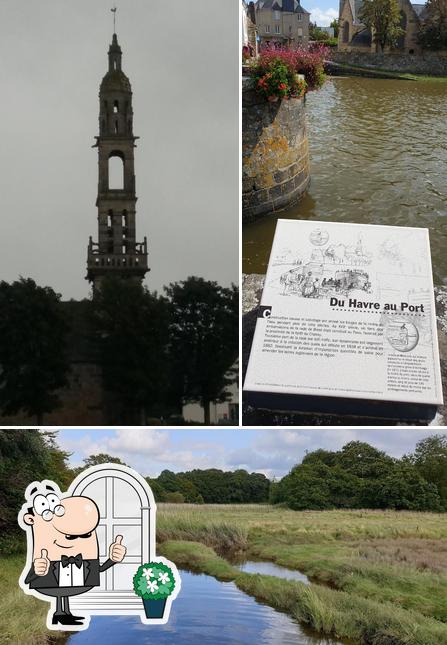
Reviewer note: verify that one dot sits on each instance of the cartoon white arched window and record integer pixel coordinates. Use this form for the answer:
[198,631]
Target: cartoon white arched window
[125,509]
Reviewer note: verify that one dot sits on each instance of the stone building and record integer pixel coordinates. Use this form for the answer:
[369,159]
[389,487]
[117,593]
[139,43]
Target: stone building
[282,22]
[117,252]
[354,36]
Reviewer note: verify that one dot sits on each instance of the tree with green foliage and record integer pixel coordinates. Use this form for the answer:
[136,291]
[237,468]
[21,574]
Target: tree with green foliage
[214,486]
[335,26]
[25,456]
[318,486]
[433,29]
[430,461]
[363,460]
[404,489]
[96,460]
[317,34]
[131,327]
[204,340]
[360,476]
[174,498]
[157,489]
[383,19]
[33,352]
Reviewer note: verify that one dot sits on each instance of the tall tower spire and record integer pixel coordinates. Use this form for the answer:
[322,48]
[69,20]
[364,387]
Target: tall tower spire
[116,253]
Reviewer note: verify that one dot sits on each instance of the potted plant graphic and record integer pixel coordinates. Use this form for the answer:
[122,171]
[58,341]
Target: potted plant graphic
[154,582]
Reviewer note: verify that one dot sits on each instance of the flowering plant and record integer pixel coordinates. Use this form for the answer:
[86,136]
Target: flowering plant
[309,62]
[275,79]
[154,581]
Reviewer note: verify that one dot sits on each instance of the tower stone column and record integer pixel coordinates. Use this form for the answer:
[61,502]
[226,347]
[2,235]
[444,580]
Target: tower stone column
[116,252]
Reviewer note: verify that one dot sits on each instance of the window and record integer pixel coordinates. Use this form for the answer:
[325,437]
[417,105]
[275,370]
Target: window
[109,218]
[116,171]
[277,29]
[300,32]
[290,29]
[300,17]
[115,107]
[267,29]
[277,15]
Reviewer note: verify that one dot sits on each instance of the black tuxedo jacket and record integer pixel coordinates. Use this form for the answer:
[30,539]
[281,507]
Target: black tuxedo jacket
[92,569]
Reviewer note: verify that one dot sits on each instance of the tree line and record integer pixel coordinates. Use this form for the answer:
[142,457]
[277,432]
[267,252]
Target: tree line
[361,476]
[357,476]
[156,352]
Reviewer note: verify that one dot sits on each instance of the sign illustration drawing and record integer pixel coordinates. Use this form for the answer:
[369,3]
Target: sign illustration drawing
[91,550]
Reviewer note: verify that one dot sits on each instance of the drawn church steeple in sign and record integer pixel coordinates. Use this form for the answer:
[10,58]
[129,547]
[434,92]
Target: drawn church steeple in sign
[117,253]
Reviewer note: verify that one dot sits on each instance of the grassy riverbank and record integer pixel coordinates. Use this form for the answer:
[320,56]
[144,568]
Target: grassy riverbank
[377,578]
[385,73]
[22,618]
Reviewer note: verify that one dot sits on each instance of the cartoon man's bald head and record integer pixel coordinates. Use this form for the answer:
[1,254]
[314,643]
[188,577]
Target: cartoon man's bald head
[62,525]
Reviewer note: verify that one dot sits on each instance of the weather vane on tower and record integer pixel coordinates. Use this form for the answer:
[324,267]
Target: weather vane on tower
[114,18]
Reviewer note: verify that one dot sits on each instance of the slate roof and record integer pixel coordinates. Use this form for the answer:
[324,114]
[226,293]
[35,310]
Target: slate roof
[362,38]
[292,6]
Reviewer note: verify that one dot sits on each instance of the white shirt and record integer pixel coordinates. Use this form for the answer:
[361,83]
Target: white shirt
[71,576]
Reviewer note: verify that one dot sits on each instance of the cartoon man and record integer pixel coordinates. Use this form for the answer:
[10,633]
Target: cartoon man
[65,553]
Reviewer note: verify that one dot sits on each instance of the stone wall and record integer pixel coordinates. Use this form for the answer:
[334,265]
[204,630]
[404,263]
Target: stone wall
[275,156]
[429,63]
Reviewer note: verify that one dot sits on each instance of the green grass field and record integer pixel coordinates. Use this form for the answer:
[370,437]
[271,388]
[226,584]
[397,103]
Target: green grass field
[378,577]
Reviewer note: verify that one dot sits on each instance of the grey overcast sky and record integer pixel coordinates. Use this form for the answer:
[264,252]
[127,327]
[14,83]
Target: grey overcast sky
[182,60]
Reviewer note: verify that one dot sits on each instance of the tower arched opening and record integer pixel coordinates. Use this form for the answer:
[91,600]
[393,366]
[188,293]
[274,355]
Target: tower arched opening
[116,171]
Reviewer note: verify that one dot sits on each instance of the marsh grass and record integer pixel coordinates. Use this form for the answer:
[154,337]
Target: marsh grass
[328,611]
[22,618]
[387,566]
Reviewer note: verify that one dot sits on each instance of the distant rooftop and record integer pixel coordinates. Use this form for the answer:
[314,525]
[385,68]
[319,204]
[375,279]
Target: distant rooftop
[290,6]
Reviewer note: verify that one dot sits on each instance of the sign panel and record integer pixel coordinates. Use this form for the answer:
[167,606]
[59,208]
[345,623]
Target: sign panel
[347,311]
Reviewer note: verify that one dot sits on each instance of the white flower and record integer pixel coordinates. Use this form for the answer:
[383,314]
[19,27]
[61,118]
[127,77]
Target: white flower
[147,573]
[163,578]
[152,586]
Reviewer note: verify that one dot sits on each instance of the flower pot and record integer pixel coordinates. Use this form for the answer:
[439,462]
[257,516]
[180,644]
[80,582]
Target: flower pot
[154,608]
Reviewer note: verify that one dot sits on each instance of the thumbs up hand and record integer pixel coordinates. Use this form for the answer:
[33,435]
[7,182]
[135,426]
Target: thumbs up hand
[116,550]
[42,564]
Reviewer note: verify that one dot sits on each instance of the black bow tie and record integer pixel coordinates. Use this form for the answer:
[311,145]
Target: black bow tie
[73,559]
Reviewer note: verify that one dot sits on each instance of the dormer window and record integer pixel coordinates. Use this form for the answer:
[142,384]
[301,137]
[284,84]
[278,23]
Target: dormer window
[300,17]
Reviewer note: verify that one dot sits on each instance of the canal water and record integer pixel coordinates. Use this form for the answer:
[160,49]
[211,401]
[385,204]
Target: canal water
[206,611]
[378,153]
[272,569]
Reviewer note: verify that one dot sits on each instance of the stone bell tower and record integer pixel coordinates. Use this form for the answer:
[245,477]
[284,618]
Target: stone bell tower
[117,253]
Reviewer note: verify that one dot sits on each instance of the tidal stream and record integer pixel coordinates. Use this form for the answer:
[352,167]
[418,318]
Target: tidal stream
[206,611]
